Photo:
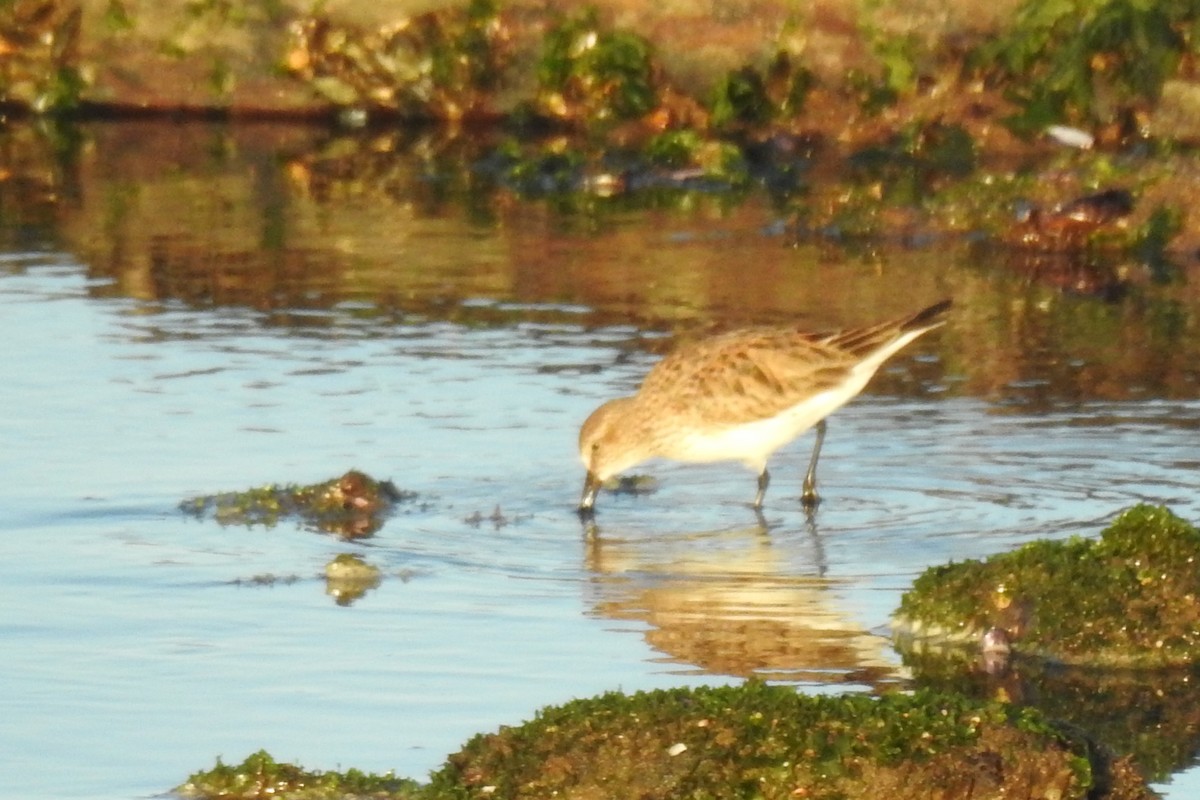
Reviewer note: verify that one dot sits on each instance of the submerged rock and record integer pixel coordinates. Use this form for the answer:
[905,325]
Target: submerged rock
[1130,598]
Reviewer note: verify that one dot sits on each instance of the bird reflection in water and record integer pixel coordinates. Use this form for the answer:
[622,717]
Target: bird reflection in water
[744,602]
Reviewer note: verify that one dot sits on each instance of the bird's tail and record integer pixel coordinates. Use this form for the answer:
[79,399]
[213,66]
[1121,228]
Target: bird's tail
[927,318]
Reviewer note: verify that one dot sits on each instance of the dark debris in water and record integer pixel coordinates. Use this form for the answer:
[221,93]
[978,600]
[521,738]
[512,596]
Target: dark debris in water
[353,505]
[267,579]
[497,519]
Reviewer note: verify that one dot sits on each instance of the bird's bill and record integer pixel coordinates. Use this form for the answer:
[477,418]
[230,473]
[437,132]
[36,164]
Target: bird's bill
[591,485]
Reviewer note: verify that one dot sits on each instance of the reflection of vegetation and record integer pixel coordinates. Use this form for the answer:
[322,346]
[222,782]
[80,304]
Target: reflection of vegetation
[909,166]
[1127,598]
[260,776]
[1151,715]
[770,742]
[352,505]
[1151,239]
[39,170]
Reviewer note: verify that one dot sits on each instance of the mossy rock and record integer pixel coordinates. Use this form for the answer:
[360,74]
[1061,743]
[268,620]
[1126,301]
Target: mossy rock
[1128,599]
[761,741]
[352,505]
[260,777]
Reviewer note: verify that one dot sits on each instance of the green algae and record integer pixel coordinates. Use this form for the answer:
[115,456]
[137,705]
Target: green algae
[592,72]
[761,741]
[1128,598]
[748,97]
[354,504]
[749,741]
[260,776]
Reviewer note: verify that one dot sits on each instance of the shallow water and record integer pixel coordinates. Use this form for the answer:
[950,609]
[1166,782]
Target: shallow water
[139,644]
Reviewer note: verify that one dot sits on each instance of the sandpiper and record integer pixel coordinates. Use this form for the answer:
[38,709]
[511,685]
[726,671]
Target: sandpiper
[741,396]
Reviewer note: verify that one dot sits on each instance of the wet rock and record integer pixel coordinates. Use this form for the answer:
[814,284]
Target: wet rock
[261,776]
[1127,599]
[353,505]
[771,742]
[1072,225]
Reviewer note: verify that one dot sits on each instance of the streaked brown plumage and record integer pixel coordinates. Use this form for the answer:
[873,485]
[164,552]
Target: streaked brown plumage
[741,396]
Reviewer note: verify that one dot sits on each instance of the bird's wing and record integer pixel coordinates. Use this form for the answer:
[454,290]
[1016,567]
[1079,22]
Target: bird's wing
[748,375]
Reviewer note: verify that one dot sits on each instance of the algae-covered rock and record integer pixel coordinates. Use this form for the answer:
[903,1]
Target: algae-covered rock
[751,741]
[260,776]
[1130,598]
[353,505]
[760,741]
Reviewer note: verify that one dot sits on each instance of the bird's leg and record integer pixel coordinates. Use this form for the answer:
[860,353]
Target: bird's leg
[809,495]
[587,502]
[764,480]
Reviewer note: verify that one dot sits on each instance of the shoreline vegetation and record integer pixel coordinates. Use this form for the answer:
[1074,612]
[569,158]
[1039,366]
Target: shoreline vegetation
[1059,128]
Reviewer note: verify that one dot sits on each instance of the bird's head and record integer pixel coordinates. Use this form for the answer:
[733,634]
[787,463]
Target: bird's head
[613,440]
